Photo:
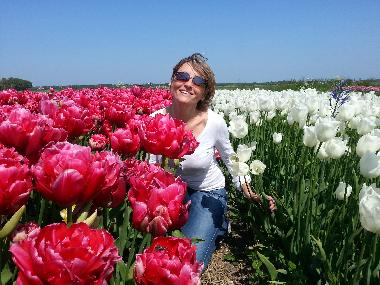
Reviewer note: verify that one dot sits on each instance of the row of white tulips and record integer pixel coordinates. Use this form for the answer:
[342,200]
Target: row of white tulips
[340,134]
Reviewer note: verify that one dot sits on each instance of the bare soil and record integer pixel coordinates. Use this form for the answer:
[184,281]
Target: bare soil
[229,265]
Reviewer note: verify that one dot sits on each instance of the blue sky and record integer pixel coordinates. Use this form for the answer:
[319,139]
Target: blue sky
[92,42]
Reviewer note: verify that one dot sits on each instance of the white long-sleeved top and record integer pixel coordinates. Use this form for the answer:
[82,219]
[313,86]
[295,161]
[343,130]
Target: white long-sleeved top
[200,170]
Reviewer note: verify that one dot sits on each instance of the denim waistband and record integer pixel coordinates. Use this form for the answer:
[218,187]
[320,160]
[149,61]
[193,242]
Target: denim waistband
[221,192]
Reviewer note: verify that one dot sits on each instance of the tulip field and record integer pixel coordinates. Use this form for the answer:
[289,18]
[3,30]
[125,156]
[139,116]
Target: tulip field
[80,204]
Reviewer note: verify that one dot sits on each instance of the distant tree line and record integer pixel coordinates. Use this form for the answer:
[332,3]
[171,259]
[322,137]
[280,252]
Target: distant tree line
[15,83]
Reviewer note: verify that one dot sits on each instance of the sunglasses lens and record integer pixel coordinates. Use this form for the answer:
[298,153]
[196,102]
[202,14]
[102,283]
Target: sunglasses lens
[199,81]
[182,76]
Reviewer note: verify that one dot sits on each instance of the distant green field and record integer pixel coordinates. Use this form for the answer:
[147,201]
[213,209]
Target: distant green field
[321,85]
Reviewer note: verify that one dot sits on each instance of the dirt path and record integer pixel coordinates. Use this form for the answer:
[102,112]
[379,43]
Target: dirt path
[235,270]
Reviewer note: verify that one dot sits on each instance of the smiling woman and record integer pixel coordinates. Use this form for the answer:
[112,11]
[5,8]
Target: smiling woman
[192,88]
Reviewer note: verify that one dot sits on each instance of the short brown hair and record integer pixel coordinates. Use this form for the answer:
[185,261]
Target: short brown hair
[198,62]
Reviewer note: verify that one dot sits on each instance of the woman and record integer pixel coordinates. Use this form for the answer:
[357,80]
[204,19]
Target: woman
[192,88]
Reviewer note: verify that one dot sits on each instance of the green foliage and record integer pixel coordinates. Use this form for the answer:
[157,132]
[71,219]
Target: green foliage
[313,236]
[15,83]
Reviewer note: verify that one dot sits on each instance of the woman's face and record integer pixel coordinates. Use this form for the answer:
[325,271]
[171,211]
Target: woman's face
[186,92]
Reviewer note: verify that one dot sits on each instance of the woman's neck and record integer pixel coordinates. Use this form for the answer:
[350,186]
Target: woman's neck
[183,112]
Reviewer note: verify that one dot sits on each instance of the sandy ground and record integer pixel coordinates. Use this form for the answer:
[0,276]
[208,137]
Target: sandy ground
[226,272]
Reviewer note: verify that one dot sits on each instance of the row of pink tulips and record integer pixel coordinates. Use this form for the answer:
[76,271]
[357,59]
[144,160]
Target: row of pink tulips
[77,148]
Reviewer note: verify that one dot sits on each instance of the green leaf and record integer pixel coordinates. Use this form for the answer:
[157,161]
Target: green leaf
[177,233]
[123,270]
[282,271]
[271,269]
[229,257]
[6,274]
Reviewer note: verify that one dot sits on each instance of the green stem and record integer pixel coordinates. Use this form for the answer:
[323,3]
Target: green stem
[42,209]
[69,216]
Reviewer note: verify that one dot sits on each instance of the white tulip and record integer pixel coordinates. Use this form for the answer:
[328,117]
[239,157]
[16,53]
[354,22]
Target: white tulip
[277,138]
[366,125]
[312,105]
[354,122]
[322,154]
[309,136]
[366,143]
[254,117]
[239,168]
[270,115]
[266,103]
[336,147]
[370,165]
[369,208]
[298,114]
[343,190]
[326,128]
[376,132]
[232,115]
[346,112]
[257,167]
[243,152]
[238,127]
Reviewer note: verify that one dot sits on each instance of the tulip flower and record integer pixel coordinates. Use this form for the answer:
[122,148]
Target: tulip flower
[368,142]
[125,140]
[335,147]
[298,114]
[156,197]
[68,115]
[309,136]
[167,136]
[343,191]
[369,208]
[254,117]
[346,112]
[366,125]
[244,152]
[239,168]
[257,167]
[238,127]
[24,231]
[15,181]
[322,154]
[70,174]
[98,142]
[58,254]
[28,133]
[370,165]
[326,128]
[65,176]
[277,138]
[168,261]
[111,191]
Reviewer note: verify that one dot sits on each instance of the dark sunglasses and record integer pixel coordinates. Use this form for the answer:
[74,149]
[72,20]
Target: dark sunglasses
[184,76]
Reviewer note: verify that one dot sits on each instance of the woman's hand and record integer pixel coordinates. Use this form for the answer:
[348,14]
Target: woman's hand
[254,197]
[249,194]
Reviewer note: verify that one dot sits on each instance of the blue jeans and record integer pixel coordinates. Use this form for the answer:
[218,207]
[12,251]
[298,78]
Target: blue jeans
[207,221]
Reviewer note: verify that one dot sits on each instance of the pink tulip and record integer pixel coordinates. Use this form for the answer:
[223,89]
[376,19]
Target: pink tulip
[61,255]
[28,133]
[69,115]
[168,261]
[157,197]
[65,174]
[111,192]
[98,142]
[24,231]
[167,136]
[126,140]
[15,181]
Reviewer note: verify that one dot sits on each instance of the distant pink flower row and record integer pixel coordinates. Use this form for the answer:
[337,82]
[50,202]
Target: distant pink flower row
[363,88]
